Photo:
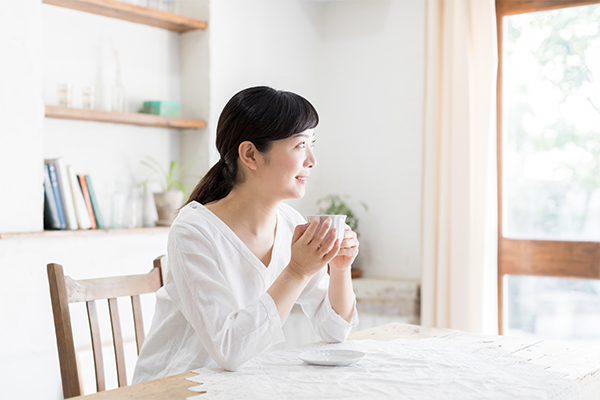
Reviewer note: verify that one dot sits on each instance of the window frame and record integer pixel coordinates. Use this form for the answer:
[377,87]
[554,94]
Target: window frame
[566,259]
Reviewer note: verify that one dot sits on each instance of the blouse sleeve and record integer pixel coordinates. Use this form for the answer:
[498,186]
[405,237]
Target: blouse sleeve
[328,324]
[230,334]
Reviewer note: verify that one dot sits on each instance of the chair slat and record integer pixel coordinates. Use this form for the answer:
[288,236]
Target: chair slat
[119,286]
[64,332]
[117,341]
[96,345]
[138,322]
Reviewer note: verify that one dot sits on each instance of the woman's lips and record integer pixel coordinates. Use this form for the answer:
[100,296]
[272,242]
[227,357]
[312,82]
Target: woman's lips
[302,179]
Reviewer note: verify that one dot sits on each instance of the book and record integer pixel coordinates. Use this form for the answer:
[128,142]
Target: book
[65,192]
[94,201]
[56,190]
[51,219]
[81,212]
[86,197]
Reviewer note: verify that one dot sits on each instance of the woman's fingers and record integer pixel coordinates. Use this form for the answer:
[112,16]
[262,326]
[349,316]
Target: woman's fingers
[314,245]
[298,232]
[349,252]
[316,232]
[350,238]
[310,231]
[334,252]
[327,245]
[349,233]
[349,242]
[322,233]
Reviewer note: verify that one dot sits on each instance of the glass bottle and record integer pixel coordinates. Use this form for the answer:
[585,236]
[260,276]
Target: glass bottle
[119,103]
[118,98]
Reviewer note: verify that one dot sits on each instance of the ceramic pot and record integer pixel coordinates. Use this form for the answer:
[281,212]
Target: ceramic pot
[167,204]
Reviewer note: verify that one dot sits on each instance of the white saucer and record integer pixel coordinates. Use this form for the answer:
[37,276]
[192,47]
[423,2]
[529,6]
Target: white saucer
[331,357]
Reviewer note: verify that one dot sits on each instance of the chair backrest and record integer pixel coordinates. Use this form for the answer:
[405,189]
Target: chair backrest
[65,290]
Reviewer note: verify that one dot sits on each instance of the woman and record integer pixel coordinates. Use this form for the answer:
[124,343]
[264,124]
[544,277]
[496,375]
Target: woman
[239,258]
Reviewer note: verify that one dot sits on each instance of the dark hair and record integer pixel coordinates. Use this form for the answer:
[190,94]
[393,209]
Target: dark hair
[260,115]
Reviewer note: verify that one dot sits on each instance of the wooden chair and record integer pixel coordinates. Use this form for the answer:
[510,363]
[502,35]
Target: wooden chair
[65,290]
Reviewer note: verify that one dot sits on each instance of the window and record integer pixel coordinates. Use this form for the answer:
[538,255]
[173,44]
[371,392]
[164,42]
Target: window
[549,168]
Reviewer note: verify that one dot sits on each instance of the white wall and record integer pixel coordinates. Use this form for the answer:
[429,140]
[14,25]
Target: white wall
[369,143]
[195,145]
[22,116]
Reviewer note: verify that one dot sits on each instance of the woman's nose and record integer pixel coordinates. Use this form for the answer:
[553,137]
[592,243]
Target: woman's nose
[311,160]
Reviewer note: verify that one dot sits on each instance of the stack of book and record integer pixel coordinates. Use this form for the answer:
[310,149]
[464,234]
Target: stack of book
[69,200]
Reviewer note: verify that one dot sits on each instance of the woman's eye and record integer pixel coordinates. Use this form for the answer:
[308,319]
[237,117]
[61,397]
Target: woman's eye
[313,143]
[302,145]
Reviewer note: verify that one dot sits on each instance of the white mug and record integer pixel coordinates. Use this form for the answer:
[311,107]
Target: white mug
[337,221]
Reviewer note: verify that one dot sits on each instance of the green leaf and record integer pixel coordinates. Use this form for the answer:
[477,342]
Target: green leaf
[335,204]
[173,178]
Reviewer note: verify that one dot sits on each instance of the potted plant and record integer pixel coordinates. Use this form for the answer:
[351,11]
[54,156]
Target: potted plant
[336,204]
[173,188]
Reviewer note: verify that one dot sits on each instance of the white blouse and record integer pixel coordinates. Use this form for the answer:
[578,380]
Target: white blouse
[214,306]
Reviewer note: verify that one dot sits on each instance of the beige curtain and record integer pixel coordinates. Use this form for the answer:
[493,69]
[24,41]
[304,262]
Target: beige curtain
[459,215]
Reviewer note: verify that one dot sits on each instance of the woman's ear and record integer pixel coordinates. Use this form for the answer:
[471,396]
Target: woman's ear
[248,154]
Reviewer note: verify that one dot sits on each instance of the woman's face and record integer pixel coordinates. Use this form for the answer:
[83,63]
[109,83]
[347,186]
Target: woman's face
[285,168]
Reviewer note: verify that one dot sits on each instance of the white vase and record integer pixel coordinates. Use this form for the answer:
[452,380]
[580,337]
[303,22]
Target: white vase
[167,204]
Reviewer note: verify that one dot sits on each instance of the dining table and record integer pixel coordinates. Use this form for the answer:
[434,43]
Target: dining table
[398,361]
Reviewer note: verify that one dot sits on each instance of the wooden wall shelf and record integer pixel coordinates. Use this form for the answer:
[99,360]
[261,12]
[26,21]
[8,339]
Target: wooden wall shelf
[82,233]
[129,12]
[123,118]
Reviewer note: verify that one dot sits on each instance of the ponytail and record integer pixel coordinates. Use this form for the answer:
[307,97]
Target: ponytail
[215,185]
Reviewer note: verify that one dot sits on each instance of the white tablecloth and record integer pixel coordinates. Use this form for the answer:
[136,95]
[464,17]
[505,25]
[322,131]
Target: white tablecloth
[436,368]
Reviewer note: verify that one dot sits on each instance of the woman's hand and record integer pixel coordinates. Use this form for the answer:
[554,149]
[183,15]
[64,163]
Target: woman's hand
[309,252]
[348,252]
